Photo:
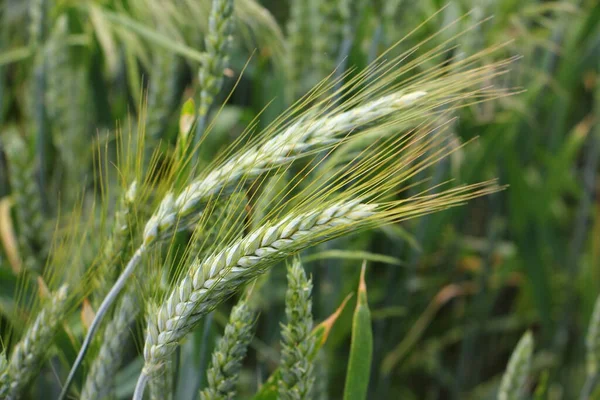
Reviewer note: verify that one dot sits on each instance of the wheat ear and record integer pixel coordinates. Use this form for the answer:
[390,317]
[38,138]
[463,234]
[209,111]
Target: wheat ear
[29,353]
[4,377]
[210,74]
[297,343]
[519,365]
[210,281]
[33,243]
[592,345]
[99,381]
[228,355]
[296,140]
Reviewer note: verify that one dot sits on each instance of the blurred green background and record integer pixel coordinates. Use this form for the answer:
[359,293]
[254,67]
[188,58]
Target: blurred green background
[451,293]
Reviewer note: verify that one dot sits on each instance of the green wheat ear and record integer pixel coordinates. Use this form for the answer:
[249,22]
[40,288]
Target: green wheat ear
[33,242]
[517,371]
[592,345]
[29,353]
[592,341]
[297,343]
[227,358]
[4,378]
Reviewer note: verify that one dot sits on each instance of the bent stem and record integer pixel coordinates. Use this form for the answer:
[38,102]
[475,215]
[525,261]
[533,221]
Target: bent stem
[140,386]
[102,310]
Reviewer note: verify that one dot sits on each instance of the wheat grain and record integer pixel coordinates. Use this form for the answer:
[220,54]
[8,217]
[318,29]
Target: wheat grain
[297,343]
[229,353]
[513,381]
[29,353]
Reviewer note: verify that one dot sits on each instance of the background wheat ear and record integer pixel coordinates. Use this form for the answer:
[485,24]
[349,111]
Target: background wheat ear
[229,353]
[517,371]
[29,353]
[297,343]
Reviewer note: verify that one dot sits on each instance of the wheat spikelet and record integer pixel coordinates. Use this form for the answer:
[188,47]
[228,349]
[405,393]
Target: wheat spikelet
[297,343]
[513,381]
[29,353]
[100,379]
[229,353]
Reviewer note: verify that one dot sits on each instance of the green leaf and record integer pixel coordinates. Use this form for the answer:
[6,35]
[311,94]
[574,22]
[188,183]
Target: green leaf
[361,347]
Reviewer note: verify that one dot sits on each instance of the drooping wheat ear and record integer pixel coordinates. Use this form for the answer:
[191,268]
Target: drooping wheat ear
[33,240]
[161,385]
[299,48]
[29,353]
[118,245]
[210,74]
[227,357]
[592,341]
[297,343]
[213,279]
[4,378]
[99,382]
[513,382]
[297,139]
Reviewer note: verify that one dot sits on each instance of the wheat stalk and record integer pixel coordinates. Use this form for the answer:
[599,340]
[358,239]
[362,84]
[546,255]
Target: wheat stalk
[519,365]
[297,343]
[229,353]
[29,353]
